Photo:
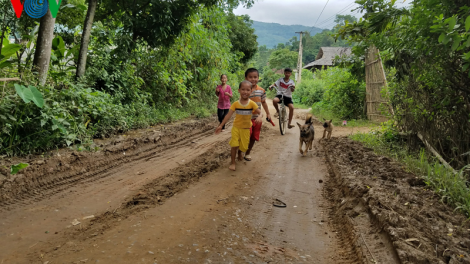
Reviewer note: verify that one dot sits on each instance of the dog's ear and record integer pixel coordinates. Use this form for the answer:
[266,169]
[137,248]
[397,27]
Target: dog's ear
[331,121]
[300,126]
[324,119]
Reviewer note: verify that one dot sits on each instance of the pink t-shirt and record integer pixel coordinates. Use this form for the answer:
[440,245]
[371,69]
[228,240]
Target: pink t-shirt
[224,100]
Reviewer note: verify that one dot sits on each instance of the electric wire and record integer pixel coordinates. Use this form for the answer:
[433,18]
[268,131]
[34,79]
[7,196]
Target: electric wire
[321,13]
[333,23]
[338,13]
[328,20]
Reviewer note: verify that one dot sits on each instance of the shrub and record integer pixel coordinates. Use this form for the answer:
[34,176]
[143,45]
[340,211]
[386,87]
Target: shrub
[344,95]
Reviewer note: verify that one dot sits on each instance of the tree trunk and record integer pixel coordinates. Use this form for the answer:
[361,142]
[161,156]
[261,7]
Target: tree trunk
[1,40]
[86,37]
[3,34]
[42,56]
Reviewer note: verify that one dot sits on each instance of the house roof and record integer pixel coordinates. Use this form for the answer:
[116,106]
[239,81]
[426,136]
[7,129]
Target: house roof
[326,55]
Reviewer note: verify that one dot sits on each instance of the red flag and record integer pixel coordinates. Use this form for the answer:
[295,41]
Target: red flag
[18,7]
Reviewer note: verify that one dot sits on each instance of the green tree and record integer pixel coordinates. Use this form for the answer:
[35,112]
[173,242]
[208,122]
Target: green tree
[428,47]
[85,40]
[42,54]
[261,58]
[283,58]
[343,19]
[242,36]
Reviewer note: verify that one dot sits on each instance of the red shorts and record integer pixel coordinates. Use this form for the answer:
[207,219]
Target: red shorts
[255,130]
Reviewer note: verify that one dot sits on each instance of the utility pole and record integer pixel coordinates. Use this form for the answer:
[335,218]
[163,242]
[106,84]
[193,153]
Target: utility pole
[299,60]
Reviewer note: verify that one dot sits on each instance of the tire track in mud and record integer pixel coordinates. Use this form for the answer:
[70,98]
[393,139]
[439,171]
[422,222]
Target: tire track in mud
[58,174]
[347,237]
[149,195]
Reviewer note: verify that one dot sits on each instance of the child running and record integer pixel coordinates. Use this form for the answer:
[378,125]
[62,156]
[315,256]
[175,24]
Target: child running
[285,86]
[258,95]
[241,129]
[224,92]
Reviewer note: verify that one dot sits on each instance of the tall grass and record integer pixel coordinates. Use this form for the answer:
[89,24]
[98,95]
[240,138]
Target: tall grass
[451,187]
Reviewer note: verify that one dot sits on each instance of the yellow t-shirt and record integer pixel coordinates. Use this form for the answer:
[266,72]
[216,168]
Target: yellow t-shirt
[243,113]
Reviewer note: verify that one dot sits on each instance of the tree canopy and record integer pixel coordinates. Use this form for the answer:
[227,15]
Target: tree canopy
[141,63]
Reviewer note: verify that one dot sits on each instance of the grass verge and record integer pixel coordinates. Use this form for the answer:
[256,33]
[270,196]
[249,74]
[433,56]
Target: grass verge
[322,114]
[452,188]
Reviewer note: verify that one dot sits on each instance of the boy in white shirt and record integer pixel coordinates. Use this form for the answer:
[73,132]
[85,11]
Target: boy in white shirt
[285,86]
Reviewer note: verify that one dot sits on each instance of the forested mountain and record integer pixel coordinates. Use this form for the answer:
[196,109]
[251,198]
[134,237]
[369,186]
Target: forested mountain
[270,34]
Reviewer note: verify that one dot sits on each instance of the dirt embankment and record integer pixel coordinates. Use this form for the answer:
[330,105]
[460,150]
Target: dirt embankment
[47,176]
[388,212]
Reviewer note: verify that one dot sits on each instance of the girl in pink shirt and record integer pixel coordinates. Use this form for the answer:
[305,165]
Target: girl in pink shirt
[224,92]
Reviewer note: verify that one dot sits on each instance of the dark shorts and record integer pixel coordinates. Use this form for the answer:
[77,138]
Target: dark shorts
[287,100]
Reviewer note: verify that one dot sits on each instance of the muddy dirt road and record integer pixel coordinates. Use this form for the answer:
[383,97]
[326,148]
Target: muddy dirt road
[224,217]
[165,195]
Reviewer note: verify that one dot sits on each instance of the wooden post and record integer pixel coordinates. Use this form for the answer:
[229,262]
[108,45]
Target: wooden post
[299,60]
[433,151]
[375,82]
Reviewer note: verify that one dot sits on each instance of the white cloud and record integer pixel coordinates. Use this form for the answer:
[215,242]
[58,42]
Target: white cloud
[300,12]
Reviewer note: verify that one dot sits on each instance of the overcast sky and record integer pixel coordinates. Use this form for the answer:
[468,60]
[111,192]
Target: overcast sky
[301,12]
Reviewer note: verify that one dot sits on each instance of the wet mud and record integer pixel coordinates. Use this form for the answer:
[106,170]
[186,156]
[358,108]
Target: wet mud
[344,204]
[62,169]
[388,215]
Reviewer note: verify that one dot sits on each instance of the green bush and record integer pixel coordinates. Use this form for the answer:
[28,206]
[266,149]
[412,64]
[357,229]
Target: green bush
[72,115]
[310,90]
[344,95]
[123,88]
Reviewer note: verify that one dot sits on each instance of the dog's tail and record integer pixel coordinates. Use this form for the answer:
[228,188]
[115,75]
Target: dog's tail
[309,119]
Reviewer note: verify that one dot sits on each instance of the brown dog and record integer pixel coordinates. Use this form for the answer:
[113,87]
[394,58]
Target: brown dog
[328,125]
[307,135]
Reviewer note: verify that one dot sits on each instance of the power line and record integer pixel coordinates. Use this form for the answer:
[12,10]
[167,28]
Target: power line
[321,13]
[334,16]
[339,12]
[333,23]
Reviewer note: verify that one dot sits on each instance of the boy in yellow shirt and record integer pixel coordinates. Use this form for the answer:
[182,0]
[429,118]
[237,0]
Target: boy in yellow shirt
[242,124]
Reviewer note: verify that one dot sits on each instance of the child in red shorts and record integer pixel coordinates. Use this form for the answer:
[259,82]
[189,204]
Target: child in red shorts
[258,95]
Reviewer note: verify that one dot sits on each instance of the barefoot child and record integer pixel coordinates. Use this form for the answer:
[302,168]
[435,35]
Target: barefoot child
[287,86]
[258,95]
[243,108]
[224,92]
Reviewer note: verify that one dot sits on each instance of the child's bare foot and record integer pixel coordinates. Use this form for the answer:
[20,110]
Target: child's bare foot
[240,158]
[232,167]
[290,126]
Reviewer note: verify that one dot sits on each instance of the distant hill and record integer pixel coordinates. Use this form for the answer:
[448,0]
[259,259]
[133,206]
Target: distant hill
[271,34]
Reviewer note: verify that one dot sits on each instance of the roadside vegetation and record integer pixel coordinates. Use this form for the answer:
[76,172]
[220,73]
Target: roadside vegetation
[452,187]
[134,71]
[425,49]
[426,53]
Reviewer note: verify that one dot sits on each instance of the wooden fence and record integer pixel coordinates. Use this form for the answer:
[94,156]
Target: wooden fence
[378,107]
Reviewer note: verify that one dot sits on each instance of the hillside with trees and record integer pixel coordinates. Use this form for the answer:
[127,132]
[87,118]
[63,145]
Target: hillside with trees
[271,34]
[283,55]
